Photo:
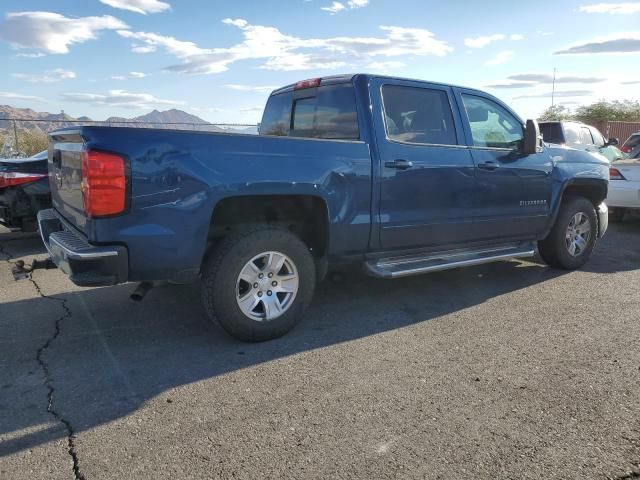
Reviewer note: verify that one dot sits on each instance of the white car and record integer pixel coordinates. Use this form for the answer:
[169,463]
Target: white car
[624,188]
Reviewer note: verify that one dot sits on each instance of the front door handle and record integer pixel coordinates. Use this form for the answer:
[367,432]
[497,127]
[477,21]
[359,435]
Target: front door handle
[490,165]
[398,164]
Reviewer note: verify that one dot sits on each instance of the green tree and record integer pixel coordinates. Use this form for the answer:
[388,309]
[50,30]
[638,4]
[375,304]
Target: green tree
[32,141]
[602,111]
[555,113]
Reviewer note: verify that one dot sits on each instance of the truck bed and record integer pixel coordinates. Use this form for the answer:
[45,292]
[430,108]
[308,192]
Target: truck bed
[177,177]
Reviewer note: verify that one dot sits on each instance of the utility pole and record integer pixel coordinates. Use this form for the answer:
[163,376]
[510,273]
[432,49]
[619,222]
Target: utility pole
[553,89]
[15,136]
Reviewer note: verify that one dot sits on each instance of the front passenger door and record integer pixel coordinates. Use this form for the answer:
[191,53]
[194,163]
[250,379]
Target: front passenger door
[514,189]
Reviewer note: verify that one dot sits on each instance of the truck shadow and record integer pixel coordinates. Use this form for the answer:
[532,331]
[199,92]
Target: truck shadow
[113,355]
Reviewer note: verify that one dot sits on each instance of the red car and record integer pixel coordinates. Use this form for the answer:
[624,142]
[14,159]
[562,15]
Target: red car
[24,189]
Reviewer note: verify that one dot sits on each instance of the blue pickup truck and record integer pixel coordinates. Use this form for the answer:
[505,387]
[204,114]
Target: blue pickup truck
[402,176]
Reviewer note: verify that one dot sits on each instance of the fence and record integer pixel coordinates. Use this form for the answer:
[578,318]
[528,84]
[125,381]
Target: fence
[21,137]
[619,130]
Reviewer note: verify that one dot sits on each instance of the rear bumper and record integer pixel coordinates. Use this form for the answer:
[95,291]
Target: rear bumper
[603,219]
[624,194]
[87,265]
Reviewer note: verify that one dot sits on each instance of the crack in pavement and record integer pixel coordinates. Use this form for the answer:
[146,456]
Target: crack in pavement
[45,369]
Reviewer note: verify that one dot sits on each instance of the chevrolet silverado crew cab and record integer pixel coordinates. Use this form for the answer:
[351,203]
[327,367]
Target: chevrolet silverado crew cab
[402,176]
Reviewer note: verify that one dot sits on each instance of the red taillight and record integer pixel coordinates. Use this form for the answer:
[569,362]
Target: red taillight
[104,184]
[11,179]
[614,174]
[625,149]
[311,83]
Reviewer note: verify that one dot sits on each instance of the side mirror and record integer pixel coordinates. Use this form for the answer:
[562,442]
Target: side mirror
[532,138]
[614,142]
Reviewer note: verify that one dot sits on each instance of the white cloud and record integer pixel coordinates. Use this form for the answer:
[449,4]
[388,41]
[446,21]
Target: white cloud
[172,45]
[280,51]
[138,6]
[29,55]
[143,48]
[624,8]
[558,94]
[337,7]
[52,32]
[129,75]
[19,96]
[384,67]
[542,78]
[334,8]
[484,40]
[500,58]
[119,98]
[617,43]
[250,88]
[49,76]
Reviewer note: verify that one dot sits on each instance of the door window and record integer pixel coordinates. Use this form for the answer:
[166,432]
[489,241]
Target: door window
[418,115]
[585,136]
[492,126]
[598,139]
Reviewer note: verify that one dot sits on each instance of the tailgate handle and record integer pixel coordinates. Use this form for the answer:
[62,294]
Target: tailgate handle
[57,158]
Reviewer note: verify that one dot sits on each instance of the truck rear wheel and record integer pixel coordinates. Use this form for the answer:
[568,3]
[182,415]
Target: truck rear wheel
[257,283]
[573,237]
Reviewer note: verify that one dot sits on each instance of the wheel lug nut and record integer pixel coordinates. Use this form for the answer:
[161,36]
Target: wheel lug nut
[259,294]
[261,275]
[255,285]
[273,284]
[270,275]
[269,292]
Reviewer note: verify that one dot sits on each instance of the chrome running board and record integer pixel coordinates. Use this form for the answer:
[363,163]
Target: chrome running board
[396,267]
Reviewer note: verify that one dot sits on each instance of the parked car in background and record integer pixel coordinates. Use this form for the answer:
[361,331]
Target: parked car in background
[582,136]
[24,189]
[401,176]
[624,188]
[631,144]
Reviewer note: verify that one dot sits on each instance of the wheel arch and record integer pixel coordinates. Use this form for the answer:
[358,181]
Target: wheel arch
[305,215]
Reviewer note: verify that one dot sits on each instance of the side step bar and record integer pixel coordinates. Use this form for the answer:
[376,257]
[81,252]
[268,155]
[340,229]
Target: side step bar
[396,267]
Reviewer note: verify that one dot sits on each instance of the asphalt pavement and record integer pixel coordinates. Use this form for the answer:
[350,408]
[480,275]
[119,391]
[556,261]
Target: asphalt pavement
[511,370]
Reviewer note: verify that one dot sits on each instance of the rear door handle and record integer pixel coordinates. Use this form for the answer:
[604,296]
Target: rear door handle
[398,164]
[489,165]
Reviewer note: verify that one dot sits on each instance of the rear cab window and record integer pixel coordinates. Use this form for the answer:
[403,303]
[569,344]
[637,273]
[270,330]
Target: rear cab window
[326,112]
[552,132]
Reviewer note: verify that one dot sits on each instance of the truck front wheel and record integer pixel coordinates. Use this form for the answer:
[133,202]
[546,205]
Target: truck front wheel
[257,283]
[573,237]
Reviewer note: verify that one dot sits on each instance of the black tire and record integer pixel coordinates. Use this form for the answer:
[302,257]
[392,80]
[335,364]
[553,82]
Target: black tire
[220,279]
[553,249]
[616,215]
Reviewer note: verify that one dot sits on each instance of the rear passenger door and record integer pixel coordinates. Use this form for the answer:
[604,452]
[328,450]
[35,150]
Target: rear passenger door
[514,189]
[426,173]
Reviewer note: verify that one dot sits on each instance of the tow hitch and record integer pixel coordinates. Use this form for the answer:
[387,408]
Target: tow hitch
[21,272]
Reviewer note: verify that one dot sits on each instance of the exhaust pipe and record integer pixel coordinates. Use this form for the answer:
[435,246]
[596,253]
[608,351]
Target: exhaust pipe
[141,291]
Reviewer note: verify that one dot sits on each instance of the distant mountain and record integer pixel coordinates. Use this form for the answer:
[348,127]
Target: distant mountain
[154,119]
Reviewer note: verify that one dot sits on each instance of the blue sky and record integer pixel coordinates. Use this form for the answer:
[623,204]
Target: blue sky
[219,59]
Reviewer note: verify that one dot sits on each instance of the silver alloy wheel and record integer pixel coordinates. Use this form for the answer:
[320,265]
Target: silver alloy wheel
[267,286]
[578,234]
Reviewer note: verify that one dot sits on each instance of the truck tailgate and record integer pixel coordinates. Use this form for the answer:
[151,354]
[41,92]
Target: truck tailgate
[65,173]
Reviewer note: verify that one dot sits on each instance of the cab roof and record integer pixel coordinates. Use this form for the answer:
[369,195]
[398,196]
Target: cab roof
[349,77]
